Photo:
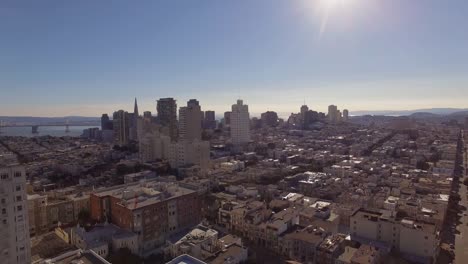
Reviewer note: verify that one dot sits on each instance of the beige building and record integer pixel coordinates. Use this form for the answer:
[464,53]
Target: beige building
[240,123]
[190,120]
[47,212]
[406,235]
[15,246]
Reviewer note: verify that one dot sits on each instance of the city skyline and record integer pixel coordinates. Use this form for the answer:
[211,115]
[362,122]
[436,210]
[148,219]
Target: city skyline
[87,58]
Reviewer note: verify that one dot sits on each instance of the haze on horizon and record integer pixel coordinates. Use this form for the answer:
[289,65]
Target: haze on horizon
[86,58]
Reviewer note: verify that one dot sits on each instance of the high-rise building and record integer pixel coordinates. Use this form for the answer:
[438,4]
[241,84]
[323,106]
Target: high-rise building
[227,118]
[345,115]
[240,123]
[121,128]
[190,120]
[210,120]
[14,227]
[133,118]
[304,109]
[106,123]
[333,114]
[167,115]
[269,118]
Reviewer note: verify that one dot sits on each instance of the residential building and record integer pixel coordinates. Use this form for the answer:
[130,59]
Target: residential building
[121,124]
[345,115]
[269,119]
[190,121]
[415,238]
[14,226]
[153,210]
[240,123]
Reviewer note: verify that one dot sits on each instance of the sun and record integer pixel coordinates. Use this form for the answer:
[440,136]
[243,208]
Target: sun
[328,4]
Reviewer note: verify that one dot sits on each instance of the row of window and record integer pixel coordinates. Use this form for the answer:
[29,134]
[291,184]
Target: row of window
[5,176]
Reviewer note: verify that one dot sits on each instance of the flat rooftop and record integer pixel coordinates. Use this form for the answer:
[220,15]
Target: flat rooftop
[138,195]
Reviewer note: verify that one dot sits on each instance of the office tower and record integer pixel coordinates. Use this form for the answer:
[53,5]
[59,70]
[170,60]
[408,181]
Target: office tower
[210,120]
[240,123]
[106,123]
[167,115]
[345,115]
[14,226]
[270,119]
[135,108]
[304,109]
[121,128]
[333,113]
[227,118]
[190,120]
[133,119]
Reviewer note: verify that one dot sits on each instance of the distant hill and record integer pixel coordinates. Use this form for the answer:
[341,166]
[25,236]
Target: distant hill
[459,114]
[426,112]
[31,120]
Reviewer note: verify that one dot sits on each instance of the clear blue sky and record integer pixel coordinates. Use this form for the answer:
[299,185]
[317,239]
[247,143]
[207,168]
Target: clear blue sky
[88,57]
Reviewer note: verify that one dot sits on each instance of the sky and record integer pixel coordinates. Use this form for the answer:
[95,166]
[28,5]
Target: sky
[87,57]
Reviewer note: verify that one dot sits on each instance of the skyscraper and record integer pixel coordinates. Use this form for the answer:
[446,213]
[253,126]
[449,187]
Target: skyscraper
[167,115]
[227,118]
[210,120]
[106,123]
[269,119]
[345,115]
[133,118]
[240,123]
[121,128]
[190,120]
[333,113]
[14,226]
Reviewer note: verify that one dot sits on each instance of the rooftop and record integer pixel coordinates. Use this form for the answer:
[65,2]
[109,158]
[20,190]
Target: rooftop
[138,195]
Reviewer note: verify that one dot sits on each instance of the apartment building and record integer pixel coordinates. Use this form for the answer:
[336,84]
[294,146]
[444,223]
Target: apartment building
[411,237]
[153,210]
[14,226]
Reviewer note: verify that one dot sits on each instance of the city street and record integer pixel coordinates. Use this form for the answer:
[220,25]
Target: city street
[461,238]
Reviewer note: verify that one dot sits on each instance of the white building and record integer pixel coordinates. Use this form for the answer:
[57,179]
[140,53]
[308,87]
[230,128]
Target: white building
[14,226]
[240,123]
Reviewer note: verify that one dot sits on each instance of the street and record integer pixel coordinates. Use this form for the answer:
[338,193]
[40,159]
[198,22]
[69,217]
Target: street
[461,237]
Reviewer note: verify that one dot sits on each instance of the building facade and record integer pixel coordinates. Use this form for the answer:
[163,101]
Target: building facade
[167,115]
[240,123]
[14,226]
[121,123]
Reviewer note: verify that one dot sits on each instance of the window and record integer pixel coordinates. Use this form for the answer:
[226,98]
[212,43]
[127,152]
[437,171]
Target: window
[19,208]
[19,198]
[4,176]
[426,238]
[3,211]
[18,188]
[17,174]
